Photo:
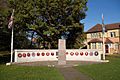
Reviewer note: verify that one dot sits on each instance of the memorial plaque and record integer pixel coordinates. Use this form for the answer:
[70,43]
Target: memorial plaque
[61,52]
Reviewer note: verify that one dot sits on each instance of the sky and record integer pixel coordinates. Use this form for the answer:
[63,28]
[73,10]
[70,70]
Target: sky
[109,8]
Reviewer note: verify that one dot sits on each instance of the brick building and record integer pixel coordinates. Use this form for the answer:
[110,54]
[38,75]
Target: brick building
[112,38]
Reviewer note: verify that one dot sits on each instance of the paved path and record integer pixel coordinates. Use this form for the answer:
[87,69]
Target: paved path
[71,73]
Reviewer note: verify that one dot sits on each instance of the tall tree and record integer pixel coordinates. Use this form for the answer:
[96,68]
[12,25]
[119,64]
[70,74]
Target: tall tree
[20,39]
[50,19]
[4,32]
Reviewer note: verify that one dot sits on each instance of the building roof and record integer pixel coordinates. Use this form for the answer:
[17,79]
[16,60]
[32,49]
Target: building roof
[95,40]
[107,40]
[98,27]
[114,40]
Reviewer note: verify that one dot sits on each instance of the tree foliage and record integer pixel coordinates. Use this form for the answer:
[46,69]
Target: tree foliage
[49,20]
[20,39]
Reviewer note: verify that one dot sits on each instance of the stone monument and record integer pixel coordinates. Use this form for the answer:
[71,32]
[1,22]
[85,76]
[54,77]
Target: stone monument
[61,52]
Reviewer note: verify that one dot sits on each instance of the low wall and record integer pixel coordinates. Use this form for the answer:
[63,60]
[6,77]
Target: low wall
[83,54]
[26,55]
[35,55]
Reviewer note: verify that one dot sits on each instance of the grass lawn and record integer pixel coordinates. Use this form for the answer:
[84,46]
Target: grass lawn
[29,73]
[103,71]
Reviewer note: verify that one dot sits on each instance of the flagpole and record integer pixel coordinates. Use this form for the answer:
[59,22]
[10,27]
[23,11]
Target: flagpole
[103,47]
[10,25]
[103,29]
[12,46]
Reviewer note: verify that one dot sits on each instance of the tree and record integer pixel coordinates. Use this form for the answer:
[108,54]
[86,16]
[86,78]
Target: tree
[50,19]
[4,32]
[20,39]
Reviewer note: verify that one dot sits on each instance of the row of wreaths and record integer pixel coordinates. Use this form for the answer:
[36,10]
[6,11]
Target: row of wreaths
[52,54]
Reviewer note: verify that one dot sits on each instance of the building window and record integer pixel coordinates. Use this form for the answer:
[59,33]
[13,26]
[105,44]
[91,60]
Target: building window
[92,35]
[112,34]
[116,46]
[110,45]
[93,45]
[95,35]
[99,45]
[99,35]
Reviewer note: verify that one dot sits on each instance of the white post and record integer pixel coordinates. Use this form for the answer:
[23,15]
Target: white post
[103,31]
[11,46]
[103,47]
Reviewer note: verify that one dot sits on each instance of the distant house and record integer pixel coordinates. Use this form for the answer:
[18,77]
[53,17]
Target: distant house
[112,38]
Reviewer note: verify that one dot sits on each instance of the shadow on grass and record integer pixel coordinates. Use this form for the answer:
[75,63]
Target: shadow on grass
[4,59]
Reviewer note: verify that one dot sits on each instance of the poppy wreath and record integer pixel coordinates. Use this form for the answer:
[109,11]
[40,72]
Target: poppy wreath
[91,53]
[47,53]
[66,53]
[42,53]
[76,53]
[38,54]
[33,54]
[96,53]
[81,53]
[24,55]
[19,55]
[28,54]
[71,53]
[52,54]
[86,53]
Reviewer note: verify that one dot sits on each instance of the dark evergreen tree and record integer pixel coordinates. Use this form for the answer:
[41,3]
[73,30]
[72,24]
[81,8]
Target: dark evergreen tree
[47,21]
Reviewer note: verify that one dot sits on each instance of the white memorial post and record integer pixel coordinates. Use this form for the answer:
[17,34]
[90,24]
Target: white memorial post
[103,35]
[61,52]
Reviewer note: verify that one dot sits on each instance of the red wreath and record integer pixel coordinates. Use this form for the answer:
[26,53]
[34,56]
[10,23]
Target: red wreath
[33,54]
[24,55]
[47,53]
[76,53]
[19,55]
[86,53]
[38,54]
[96,53]
[81,53]
[71,53]
[91,53]
[43,53]
[28,54]
[52,54]
[66,53]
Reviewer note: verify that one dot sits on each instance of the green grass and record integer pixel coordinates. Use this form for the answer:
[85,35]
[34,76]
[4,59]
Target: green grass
[29,73]
[103,71]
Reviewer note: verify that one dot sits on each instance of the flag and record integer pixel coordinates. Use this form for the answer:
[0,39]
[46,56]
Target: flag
[11,20]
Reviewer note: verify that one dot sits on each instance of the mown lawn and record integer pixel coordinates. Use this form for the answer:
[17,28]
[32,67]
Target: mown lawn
[103,71]
[29,73]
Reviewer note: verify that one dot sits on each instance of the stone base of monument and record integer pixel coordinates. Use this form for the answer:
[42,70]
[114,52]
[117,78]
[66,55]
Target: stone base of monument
[61,57]
[61,62]
[104,61]
[8,64]
[57,64]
